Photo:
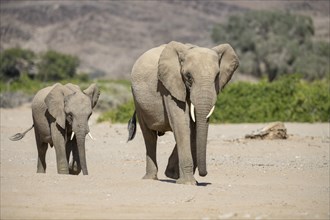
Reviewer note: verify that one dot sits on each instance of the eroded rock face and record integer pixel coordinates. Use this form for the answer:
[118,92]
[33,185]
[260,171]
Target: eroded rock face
[275,130]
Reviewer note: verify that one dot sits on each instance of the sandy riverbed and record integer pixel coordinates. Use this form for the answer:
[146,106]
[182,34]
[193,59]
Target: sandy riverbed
[248,179]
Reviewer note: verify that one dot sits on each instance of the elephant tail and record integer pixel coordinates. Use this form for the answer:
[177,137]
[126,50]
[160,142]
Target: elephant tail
[131,127]
[19,136]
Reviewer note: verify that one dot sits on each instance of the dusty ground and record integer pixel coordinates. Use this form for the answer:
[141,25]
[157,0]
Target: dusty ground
[248,179]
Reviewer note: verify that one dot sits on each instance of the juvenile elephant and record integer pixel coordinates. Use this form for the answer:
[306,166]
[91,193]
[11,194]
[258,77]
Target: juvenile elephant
[168,82]
[60,118]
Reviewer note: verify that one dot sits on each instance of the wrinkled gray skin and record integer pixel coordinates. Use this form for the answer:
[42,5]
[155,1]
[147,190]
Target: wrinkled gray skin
[58,111]
[166,80]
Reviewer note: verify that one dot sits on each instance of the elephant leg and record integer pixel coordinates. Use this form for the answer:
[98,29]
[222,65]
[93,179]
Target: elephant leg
[60,150]
[178,115]
[186,175]
[150,139]
[172,169]
[42,149]
[74,165]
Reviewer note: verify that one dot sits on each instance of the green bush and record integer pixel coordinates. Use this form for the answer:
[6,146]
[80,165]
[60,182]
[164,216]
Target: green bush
[31,86]
[119,115]
[56,66]
[273,43]
[15,62]
[288,99]
[23,84]
[49,66]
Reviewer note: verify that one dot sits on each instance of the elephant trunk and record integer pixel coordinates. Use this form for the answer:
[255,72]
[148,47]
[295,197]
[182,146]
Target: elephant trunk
[204,98]
[202,126]
[80,137]
[202,130]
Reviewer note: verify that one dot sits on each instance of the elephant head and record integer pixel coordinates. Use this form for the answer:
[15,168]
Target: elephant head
[71,108]
[196,75]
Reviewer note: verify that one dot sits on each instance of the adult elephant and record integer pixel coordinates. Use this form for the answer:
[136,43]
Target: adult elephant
[60,118]
[168,82]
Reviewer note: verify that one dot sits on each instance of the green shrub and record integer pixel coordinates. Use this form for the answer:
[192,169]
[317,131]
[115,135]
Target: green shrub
[56,66]
[49,66]
[119,115]
[22,84]
[31,86]
[15,62]
[288,99]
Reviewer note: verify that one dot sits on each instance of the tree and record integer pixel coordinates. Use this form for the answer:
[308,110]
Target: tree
[274,43]
[56,66]
[15,62]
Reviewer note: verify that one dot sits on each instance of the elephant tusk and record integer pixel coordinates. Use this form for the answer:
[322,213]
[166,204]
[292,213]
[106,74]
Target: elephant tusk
[72,135]
[90,135]
[192,112]
[211,111]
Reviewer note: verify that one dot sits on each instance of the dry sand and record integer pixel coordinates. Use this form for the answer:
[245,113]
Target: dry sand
[248,179]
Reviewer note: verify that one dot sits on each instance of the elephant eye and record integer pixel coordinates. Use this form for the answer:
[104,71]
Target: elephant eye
[69,117]
[188,79]
[217,75]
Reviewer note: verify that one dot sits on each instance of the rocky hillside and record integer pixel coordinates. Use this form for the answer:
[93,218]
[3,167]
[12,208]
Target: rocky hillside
[108,36]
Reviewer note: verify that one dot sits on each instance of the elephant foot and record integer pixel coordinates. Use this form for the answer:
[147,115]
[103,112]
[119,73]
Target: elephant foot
[172,168]
[187,181]
[41,171]
[172,173]
[74,168]
[63,171]
[150,177]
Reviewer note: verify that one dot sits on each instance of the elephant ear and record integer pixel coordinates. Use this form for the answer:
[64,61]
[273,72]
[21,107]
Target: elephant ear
[55,104]
[93,92]
[228,63]
[169,69]
[73,87]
